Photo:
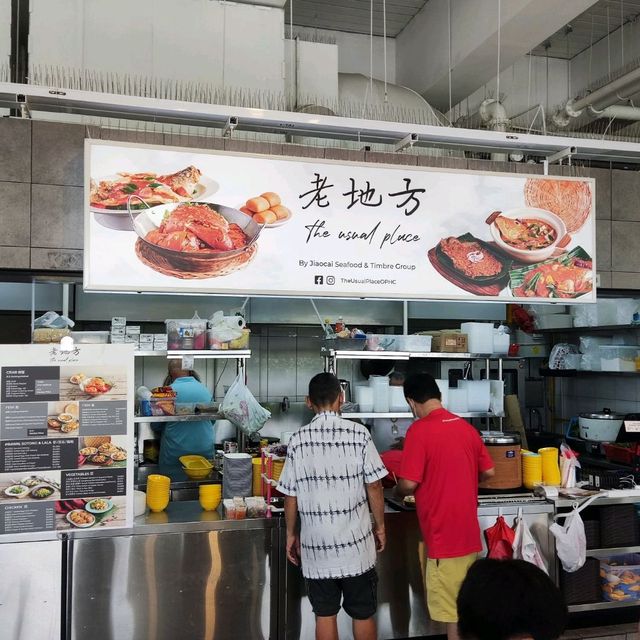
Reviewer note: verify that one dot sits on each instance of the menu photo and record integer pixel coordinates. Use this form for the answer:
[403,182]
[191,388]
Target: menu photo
[101,452]
[33,487]
[92,383]
[90,513]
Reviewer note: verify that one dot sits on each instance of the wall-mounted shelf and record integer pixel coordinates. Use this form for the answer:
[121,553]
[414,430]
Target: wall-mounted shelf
[407,355]
[194,417]
[612,328]
[577,373]
[241,354]
[596,606]
[407,415]
[606,553]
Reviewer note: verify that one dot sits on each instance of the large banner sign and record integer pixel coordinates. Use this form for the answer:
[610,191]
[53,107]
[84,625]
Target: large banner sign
[179,220]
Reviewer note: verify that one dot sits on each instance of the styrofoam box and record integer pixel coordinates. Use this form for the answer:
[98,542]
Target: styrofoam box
[133,329]
[546,309]
[554,322]
[118,322]
[117,331]
[90,337]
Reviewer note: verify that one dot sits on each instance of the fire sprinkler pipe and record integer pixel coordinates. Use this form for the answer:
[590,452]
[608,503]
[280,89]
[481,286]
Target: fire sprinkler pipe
[600,98]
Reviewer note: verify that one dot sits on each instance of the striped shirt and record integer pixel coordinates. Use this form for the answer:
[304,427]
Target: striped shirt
[329,461]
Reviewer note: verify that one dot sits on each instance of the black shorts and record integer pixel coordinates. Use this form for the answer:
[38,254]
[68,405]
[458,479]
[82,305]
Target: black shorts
[358,595]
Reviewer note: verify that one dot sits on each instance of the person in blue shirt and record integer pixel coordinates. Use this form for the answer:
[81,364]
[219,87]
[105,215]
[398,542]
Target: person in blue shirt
[184,438]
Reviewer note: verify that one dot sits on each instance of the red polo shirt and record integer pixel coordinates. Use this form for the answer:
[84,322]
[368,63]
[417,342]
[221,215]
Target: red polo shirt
[444,454]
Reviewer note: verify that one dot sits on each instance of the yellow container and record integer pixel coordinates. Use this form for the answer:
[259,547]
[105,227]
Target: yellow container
[550,467]
[531,470]
[242,342]
[196,467]
[210,490]
[256,485]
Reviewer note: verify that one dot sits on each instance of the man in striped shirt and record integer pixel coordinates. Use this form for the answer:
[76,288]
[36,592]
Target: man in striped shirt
[331,478]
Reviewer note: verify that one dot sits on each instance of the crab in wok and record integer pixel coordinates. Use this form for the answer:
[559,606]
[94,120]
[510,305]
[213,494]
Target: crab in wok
[196,227]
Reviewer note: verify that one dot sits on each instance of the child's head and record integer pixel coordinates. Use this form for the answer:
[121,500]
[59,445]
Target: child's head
[325,393]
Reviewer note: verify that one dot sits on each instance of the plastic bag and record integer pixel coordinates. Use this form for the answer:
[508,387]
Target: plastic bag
[499,539]
[52,320]
[571,541]
[240,407]
[568,465]
[525,546]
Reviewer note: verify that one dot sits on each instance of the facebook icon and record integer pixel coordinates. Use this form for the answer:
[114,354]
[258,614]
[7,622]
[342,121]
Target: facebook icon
[319,280]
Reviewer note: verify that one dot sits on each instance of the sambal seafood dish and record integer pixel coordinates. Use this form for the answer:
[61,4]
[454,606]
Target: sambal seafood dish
[150,187]
[197,228]
[557,280]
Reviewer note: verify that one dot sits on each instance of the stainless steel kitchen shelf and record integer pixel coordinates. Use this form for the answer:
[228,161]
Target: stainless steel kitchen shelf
[617,551]
[598,606]
[399,416]
[567,503]
[183,418]
[221,354]
[407,355]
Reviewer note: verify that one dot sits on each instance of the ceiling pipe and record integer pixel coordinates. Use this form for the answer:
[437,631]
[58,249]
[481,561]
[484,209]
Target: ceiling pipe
[601,98]
[617,111]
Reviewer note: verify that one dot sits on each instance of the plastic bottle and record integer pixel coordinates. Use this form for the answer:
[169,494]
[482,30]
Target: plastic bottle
[328,329]
[339,325]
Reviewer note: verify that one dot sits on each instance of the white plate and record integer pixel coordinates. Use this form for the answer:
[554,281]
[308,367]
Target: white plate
[272,225]
[81,526]
[119,218]
[16,495]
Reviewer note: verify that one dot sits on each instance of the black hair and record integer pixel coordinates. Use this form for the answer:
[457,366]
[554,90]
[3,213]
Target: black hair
[505,599]
[324,389]
[421,387]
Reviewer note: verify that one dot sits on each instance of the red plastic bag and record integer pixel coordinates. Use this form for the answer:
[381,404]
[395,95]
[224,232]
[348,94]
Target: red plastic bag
[499,540]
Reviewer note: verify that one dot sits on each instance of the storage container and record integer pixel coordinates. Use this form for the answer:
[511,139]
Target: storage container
[242,342]
[554,322]
[158,407]
[478,394]
[397,401]
[380,388]
[415,343]
[582,586]
[621,578]
[90,337]
[345,344]
[618,357]
[618,526]
[186,334]
[457,401]
[381,342]
[185,408]
[364,398]
[480,336]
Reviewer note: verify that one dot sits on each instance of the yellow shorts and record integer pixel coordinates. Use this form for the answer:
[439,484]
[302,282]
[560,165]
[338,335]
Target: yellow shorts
[442,583]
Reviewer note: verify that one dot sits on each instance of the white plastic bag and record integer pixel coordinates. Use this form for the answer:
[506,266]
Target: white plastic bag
[525,546]
[571,541]
[240,407]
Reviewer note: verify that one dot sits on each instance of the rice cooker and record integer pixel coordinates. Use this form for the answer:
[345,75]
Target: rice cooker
[601,426]
[505,451]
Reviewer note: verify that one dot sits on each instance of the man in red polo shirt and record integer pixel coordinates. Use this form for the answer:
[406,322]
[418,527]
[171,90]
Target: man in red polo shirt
[443,460]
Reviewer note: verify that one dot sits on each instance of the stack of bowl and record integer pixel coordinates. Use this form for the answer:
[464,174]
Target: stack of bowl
[550,467]
[158,492]
[257,476]
[210,496]
[531,469]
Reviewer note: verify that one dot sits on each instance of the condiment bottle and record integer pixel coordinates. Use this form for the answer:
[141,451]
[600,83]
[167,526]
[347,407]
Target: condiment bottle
[339,325]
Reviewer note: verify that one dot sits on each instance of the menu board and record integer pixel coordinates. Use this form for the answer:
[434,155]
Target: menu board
[168,219]
[66,438]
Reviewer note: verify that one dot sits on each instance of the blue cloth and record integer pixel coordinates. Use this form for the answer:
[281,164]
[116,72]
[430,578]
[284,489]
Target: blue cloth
[184,438]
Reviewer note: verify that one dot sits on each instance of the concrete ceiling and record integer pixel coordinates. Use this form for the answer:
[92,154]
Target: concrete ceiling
[589,27]
[354,16]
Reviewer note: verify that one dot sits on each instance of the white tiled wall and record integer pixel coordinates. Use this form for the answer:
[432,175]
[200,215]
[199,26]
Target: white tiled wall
[579,395]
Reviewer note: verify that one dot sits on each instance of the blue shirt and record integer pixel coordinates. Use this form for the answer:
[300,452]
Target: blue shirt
[183,438]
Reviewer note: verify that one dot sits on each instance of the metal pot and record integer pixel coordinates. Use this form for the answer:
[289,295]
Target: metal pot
[602,426]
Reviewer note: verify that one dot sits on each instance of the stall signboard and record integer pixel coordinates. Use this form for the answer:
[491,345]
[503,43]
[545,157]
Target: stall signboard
[163,219]
[66,439]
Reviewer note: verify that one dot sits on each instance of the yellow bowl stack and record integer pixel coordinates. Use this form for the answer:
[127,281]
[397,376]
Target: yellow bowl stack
[158,492]
[550,467]
[276,470]
[531,470]
[257,476]
[210,496]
